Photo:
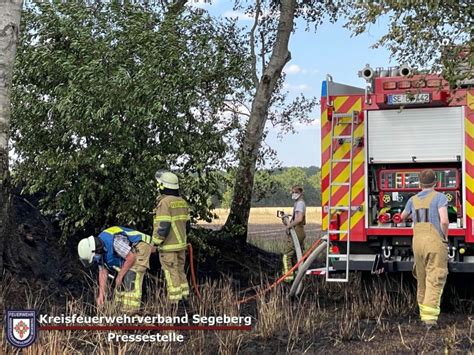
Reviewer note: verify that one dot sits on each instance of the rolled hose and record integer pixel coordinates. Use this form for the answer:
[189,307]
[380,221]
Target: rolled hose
[297,283]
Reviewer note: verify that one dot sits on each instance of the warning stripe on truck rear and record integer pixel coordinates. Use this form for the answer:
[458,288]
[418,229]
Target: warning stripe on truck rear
[469,154]
[340,171]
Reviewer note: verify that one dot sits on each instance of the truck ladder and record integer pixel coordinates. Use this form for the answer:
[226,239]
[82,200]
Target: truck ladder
[351,118]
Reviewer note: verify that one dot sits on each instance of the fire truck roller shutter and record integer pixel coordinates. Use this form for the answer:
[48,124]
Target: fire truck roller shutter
[420,134]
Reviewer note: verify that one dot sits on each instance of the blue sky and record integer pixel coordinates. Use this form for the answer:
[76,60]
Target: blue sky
[330,50]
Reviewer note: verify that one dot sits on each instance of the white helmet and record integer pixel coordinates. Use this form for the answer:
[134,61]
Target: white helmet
[167,180]
[86,250]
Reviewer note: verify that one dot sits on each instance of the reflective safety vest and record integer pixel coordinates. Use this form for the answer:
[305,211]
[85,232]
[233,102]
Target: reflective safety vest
[175,210]
[111,258]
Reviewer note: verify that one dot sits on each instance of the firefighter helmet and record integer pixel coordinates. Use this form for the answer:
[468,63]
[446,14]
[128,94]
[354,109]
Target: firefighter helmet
[86,250]
[167,180]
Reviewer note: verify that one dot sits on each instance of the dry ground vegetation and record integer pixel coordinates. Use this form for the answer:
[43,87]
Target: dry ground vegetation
[367,315]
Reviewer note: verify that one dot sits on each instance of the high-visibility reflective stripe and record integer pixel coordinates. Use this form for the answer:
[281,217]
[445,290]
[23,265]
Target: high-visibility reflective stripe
[173,247]
[182,217]
[114,230]
[164,218]
[176,233]
[428,313]
[185,289]
[287,267]
[169,282]
[174,293]
[131,299]
[145,237]
[178,204]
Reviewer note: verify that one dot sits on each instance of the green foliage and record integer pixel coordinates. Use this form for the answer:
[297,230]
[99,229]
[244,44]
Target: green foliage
[436,34]
[272,187]
[106,94]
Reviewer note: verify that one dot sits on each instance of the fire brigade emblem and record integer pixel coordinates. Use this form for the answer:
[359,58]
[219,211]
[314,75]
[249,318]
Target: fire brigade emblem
[21,328]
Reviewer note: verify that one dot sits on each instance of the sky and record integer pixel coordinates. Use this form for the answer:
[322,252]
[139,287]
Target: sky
[330,50]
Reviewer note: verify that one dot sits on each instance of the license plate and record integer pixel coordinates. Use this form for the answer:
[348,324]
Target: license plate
[403,99]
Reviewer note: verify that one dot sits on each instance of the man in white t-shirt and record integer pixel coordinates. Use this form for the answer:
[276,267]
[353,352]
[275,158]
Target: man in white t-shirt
[298,220]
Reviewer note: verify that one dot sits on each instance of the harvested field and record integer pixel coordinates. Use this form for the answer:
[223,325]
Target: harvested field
[266,230]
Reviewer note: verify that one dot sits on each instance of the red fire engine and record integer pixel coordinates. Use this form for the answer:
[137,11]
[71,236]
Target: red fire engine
[375,142]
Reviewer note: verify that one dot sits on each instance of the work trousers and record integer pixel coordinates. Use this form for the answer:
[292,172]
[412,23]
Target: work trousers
[289,255]
[431,269]
[172,263]
[128,296]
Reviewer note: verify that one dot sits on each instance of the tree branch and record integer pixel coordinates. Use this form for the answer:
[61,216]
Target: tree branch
[252,44]
[234,110]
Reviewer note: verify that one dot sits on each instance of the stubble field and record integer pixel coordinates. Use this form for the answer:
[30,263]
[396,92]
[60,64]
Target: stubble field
[368,315]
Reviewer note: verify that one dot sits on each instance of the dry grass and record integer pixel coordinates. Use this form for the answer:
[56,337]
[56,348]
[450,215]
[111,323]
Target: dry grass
[359,317]
[265,215]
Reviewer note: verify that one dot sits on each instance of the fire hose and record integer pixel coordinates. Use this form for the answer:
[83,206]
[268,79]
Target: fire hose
[312,253]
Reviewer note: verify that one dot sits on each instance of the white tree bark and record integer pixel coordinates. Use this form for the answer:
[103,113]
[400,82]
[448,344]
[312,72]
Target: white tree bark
[10,11]
[240,208]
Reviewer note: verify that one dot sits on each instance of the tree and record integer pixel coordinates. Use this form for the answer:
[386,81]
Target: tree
[10,13]
[265,86]
[105,94]
[427,34]
[270,35]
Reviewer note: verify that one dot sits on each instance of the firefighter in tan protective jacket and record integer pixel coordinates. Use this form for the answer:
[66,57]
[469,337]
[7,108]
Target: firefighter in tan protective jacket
[170,227]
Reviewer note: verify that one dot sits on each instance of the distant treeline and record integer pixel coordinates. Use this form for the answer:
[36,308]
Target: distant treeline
[272,187]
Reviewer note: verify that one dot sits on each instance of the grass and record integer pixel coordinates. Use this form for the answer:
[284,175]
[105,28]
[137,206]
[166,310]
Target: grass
[360,317]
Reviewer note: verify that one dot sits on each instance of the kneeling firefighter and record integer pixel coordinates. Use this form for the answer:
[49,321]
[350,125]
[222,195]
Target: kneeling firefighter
[122,250]
[170,227]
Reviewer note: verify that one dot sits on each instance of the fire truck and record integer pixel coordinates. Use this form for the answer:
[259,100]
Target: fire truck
[375,141]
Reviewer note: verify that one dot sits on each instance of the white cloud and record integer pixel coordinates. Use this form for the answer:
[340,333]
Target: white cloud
[292,69]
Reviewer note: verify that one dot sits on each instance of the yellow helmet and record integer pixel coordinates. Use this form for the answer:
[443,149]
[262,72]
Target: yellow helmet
[167,180]
[86,250]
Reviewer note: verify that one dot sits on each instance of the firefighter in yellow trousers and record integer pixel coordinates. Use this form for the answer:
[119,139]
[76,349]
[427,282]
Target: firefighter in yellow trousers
[170,227]
[121,251]
[430,231]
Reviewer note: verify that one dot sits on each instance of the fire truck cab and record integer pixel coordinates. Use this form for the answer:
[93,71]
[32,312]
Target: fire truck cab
[375,141]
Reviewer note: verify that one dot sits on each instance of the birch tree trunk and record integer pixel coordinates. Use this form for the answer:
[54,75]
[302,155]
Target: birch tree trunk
[240,207]
[10,11]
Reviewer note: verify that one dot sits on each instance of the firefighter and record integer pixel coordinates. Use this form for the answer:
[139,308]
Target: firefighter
[429,213]
[170,228]
[121,251]
[298,220]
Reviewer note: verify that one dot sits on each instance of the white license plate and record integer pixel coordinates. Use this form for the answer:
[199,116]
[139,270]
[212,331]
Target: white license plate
[403,99]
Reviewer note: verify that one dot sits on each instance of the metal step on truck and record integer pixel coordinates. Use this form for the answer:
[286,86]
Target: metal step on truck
[374,142]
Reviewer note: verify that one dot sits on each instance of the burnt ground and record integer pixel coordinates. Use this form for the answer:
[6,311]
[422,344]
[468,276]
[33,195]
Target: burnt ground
[36,261]
[34,256]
